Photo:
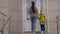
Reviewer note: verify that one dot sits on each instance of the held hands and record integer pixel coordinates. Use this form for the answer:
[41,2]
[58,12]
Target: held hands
[28,18]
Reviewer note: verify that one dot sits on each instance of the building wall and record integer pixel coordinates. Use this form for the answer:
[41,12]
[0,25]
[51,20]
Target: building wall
[52,12]
[14,9]
[4,7]
[15,12]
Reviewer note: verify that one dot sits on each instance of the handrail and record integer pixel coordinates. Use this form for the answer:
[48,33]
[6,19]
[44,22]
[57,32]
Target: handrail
[4,24]
[7,21]
[3,14]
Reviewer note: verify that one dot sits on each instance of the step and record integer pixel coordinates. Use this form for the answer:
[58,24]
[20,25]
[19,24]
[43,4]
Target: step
[32,33]
[27,33]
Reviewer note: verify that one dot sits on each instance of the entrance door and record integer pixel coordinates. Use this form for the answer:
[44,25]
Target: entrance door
[26,24]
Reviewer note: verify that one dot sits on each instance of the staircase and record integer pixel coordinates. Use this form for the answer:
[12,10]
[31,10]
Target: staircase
[4,24]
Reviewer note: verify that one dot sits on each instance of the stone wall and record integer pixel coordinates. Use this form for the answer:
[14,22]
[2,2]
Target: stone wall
[52,12]
[15,12]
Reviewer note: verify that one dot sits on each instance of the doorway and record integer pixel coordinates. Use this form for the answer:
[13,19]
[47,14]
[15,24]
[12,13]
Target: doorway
[26,24]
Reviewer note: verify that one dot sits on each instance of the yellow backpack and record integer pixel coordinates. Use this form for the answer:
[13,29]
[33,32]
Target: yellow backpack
[43,19]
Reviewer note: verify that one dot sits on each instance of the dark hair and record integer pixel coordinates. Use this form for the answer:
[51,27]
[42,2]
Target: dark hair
[33,8]
[33,3]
